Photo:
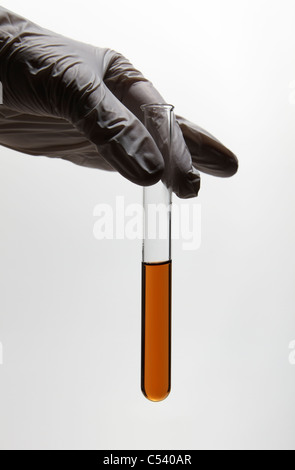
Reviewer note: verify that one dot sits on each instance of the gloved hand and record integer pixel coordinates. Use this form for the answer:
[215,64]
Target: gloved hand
[67,99]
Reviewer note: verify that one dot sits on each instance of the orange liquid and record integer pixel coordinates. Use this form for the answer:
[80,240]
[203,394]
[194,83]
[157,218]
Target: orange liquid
[156,330]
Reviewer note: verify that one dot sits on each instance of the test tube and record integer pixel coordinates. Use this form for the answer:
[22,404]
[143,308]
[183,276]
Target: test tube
[156,264]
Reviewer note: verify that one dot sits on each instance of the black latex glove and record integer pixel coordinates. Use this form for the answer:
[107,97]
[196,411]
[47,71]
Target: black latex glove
[67,99]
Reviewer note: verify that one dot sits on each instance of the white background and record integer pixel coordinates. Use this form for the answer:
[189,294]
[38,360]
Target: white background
[70,305]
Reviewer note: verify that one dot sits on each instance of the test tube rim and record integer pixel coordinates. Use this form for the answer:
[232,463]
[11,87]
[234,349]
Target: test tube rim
[157,105]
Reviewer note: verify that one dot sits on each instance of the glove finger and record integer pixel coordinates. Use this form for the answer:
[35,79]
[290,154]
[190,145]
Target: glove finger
[120,137]
[185,179]
[133,89]
[208,154]
[48,136]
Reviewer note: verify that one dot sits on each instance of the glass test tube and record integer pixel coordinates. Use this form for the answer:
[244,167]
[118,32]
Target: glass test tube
[156,264]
